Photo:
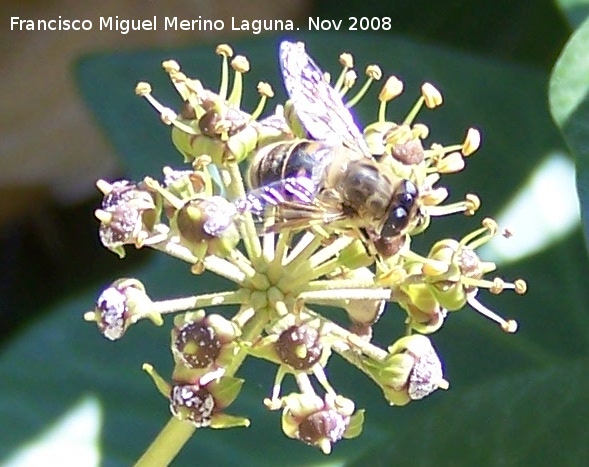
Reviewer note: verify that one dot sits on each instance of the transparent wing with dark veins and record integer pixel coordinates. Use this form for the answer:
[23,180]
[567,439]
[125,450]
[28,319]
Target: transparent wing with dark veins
[290,202]
[318,106]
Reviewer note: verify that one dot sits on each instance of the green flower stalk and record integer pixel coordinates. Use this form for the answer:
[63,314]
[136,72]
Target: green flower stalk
[286,252]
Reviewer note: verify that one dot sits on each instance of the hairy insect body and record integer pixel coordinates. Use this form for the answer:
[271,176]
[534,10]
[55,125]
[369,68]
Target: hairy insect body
[331,178]
[362,190]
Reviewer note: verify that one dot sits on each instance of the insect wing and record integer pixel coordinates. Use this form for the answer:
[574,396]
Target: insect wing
[290,202]
[318,106]
[299,190]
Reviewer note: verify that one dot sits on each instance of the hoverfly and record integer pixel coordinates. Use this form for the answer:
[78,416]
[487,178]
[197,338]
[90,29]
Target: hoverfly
[331,178]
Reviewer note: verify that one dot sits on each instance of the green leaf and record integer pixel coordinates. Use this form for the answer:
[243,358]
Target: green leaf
[515,31]
[576,11]
[62,360]
[569,104]
[531,418]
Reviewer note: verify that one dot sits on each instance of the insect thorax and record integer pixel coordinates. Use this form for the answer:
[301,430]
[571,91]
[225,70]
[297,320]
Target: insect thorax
[366,189]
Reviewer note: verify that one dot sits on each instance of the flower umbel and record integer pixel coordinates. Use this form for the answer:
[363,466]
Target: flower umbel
[328,219]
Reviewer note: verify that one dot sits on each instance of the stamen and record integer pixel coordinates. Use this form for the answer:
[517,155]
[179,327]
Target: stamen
[521,287]
[174,201]
[431,267]
[414,111]
[374,73]
[295,263]
[225,51]
[142,88]
[434,197]
[509,326]
[420,130]
[473,203]
[472,141]
[346,60]
[451,163]
[392,88]
[178,79]
[349,81]
[245,313]
[437,151]
[171,66]
[241,66]
[192,92]
[486,233]
[324,269]
[265,91]
[167,115]
[400,134]
[469,206]
[432,97]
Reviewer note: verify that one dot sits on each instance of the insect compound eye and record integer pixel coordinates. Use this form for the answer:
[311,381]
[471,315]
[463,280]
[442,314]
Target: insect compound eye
[396,222]
[405,195]
[401,208]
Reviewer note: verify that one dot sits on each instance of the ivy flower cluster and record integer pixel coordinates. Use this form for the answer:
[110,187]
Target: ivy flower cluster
[282,272]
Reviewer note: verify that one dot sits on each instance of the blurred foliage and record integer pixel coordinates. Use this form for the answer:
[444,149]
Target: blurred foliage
[513,30]
[569,104]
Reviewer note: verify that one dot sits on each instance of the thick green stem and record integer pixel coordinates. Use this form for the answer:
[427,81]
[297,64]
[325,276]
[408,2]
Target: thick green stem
[167,444]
